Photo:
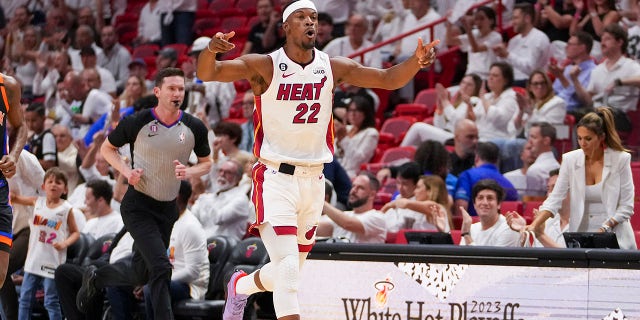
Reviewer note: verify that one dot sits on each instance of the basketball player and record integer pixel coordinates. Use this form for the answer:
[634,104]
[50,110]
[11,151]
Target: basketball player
[10,109]
[293,130]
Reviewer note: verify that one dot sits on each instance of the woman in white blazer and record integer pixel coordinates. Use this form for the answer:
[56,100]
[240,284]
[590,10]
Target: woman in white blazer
[598,179]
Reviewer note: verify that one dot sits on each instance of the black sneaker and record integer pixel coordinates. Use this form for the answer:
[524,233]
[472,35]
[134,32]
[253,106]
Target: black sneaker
[88,291]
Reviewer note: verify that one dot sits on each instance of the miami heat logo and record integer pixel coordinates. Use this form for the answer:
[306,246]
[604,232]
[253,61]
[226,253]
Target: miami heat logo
[310,232]
[105,246]
[212,246]
[250,249]
[383,287]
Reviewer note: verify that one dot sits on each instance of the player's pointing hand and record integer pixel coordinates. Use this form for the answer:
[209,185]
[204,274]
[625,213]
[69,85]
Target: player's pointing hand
[426,54]
[220,42]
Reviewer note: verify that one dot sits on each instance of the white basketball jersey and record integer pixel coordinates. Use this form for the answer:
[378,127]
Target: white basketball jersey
[48,226]
[293,119]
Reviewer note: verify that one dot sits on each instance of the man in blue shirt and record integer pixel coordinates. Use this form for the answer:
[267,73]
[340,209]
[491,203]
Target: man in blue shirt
[486,167]
[578,49]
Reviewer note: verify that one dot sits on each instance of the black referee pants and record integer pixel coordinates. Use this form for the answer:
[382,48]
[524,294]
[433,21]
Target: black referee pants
[150,222]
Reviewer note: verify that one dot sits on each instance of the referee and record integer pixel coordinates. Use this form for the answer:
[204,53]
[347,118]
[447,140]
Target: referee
[161,140]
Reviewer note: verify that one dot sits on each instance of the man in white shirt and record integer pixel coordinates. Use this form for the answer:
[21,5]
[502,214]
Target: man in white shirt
[85,37]
[116,57]
[80,105]
[107,80]
[354,41]
[224,212]
[102,219]
[420,14]
[363,224]
[605,86]
[527,51]
[542,135]
[492,229]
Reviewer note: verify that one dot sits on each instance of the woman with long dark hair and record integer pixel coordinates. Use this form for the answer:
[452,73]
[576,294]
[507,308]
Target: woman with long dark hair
[598,178]
[357,141]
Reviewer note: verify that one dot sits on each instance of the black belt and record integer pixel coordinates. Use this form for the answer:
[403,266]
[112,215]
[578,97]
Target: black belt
[287,168]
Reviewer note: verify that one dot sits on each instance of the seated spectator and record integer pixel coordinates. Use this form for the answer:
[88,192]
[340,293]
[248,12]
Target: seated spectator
[50,70]
[529,49]
[363,224]
[225,146]
[603,88]
[68,159]
[218,96]
[325,28]
[265,36]
[593,19]
[478,42]
[555,18]
[107,80]
[68,278]
[492,229]
[138,68]
[598,175]
[496,110]
[541,105]
[188,256]
[85,36]
[117,57]
[447,113]
[81,105]
[134,89]
[432,158]
[633,50]
[549,234]
[248,104]
[354,41]
[420,14]
[577,51]
[93,166]
[428,210]
[225,211]
[24,59]
[177,19]
[465,141]
[101,218]
[542,135]
[486,167]
[406,178]
[357,141]
[42,143]
[518,177]
[149,24]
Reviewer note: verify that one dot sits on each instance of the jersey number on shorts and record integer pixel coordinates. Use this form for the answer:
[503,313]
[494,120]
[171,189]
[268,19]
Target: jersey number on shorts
[49,240]
[307,114]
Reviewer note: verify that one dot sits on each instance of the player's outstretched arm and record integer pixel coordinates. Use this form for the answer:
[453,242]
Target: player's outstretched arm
[210,69]
[347,70]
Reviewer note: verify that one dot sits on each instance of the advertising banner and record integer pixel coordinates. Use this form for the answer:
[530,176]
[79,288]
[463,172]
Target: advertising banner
[366,290]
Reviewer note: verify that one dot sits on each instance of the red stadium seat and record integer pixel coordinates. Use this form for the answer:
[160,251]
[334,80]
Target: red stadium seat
[529,206]
[507,206]
[146,50]
[247,6]
[200,25]
[233,23]
[397,126]
[427,97]
[416,110]
[398,153]
[224,8]
[381,199]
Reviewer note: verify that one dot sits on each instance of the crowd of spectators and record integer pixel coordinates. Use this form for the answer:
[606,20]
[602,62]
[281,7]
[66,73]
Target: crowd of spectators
[491,138]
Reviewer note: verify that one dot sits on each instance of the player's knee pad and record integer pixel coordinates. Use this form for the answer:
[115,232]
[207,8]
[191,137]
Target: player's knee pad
[289,273]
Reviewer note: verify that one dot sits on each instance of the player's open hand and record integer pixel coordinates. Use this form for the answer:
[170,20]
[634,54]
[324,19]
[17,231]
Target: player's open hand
[220,42]
[426,54]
